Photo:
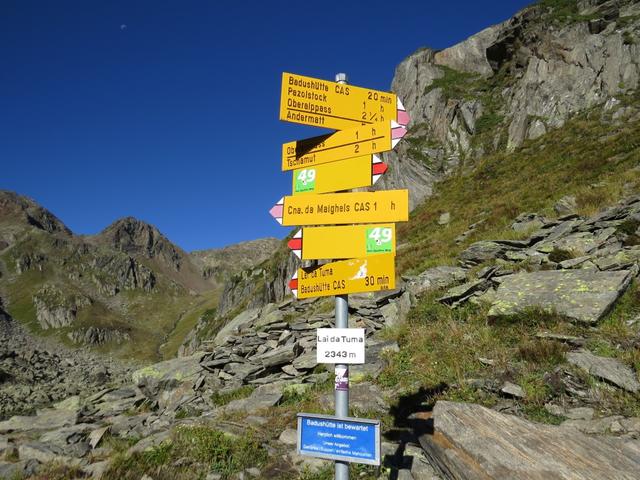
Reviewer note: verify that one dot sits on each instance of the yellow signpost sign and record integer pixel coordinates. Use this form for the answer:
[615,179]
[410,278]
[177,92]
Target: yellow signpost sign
[369,274]
[336,176]
[320,103]
[352,241]
[343,208]
[340,145]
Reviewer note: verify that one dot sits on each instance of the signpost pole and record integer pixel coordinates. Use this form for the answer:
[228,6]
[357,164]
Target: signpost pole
[342,370]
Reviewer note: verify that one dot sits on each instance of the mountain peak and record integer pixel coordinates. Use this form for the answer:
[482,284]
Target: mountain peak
[137,237]
[15,208]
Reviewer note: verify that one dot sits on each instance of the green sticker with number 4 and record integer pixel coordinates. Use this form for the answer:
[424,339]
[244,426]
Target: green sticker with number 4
[379,240]
[305,180]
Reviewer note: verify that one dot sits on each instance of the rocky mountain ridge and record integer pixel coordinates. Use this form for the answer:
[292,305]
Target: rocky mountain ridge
[221,263]
[107,290]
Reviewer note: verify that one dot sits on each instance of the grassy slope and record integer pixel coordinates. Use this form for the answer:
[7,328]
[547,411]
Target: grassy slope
[151,319]
[590,157]
[204,303]
[586,158]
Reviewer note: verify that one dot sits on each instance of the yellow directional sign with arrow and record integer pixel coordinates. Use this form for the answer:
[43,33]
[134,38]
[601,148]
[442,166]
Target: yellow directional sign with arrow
[321,103]
[340,145]
[343,208]
[350,241]
[336,176]
[369,274]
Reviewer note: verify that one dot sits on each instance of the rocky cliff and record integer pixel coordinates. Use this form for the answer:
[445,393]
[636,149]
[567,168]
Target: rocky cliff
[508,83]
[221,263]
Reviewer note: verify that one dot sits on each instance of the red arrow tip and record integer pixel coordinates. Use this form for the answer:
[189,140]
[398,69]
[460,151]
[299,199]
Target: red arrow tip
[380,168]
[295,244]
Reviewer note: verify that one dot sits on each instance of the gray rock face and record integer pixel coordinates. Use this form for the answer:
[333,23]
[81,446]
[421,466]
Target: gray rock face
[512,390]
[474,443]
[168,374]
[480,252]
[47,420]
[608,369]
[39,373]
[136,237]
[434,278]
[581,295]
[566,205]
[98,336]
[262,397]
[223,262]
[54,309]
[245,287]
[554,72]
[236,325]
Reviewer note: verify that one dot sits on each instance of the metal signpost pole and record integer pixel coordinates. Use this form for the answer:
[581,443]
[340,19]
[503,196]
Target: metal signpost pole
[342,379]
[342,371]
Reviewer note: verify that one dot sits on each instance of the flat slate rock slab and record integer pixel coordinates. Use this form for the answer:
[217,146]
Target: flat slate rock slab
[49,419]
[608,369]
[471,442]
[581,295]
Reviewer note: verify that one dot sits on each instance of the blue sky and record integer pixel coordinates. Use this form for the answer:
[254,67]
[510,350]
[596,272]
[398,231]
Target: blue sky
[168,111]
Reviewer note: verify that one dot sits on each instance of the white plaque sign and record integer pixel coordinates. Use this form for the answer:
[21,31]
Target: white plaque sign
[340,345]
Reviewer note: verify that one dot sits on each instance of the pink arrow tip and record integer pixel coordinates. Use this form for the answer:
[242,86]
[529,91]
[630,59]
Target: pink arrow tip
[276,211]
[403,117]
[398,132]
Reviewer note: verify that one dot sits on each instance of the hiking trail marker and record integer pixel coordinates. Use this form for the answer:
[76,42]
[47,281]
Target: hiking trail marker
[354,172]
[357,275]
[352,241]
[343,144]
[325,104]
[340,345]
[342,208]
[367,122]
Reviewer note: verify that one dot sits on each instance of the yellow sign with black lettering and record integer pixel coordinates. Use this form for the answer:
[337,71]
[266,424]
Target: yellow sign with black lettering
[359,275]
[349,241]
[343,144]
[320,103]
[333,177]
[343,208]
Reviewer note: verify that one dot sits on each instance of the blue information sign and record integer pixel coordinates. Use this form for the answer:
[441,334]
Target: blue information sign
[344,439]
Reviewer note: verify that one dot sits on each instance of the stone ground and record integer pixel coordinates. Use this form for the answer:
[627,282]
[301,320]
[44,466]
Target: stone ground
[269,353]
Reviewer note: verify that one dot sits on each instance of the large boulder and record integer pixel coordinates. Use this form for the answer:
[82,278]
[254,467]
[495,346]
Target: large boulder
[239,322]
[581,295]
[608,369]
[471,442]
[169,374]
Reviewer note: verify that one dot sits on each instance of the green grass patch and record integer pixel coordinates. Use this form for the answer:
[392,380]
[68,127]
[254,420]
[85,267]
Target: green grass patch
[200,449]
[488,122]
[558,255]
[440,349]
[563,12]
[223,398]
[454,83]
[538,414]
[187,323]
